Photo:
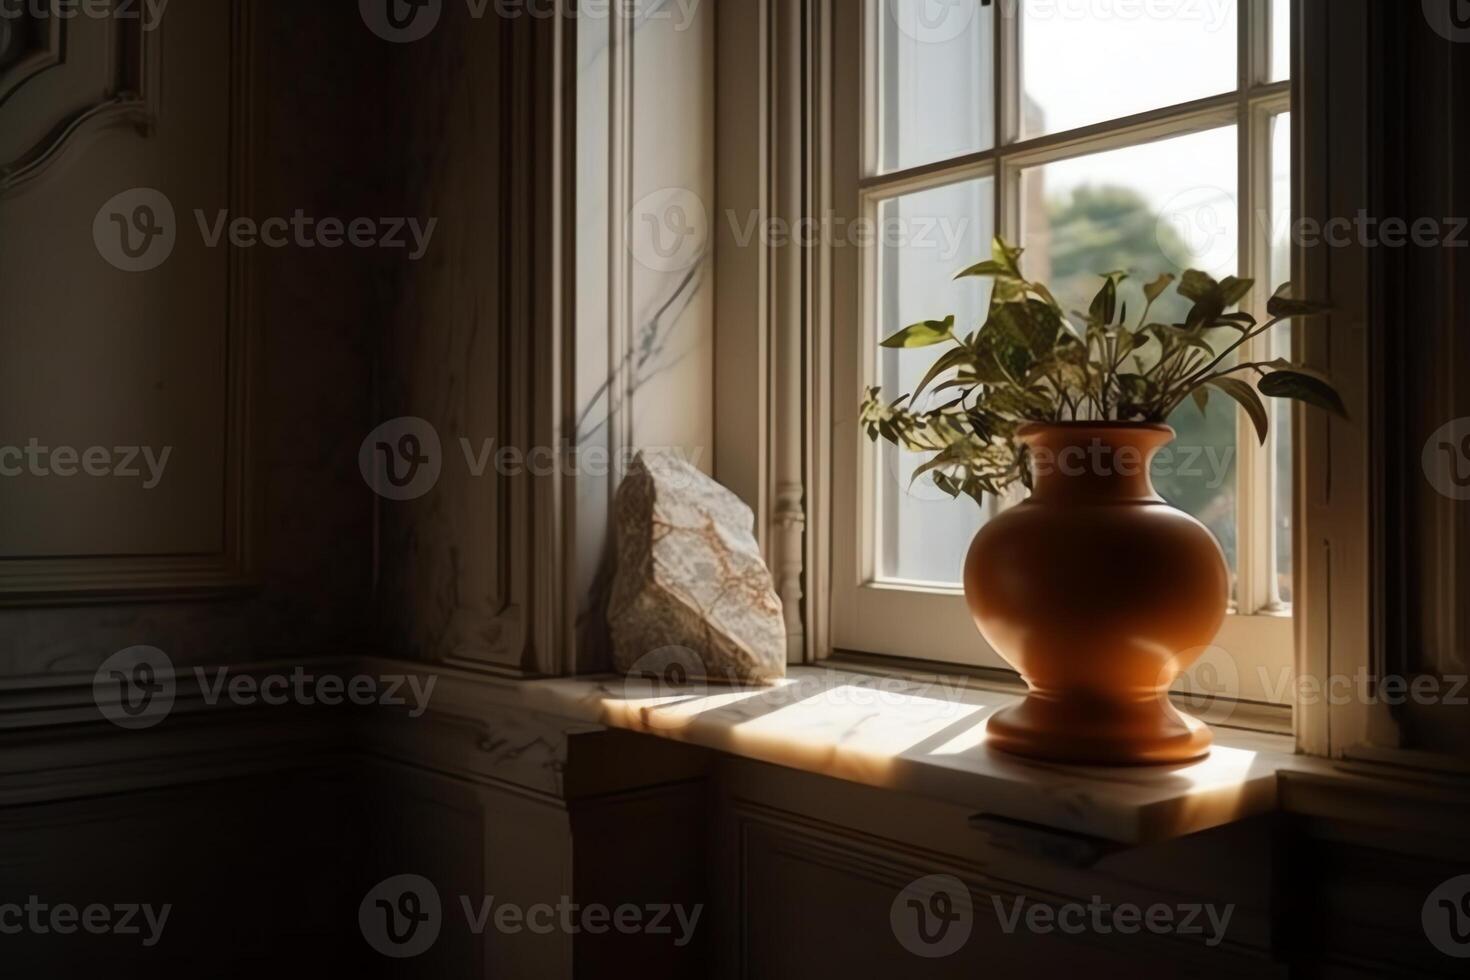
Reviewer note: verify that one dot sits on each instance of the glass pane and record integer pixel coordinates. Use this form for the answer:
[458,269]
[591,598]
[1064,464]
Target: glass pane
[1281,343]
[935,70]
[924,239]
[1084,63]
[1149,209]
[1280,40]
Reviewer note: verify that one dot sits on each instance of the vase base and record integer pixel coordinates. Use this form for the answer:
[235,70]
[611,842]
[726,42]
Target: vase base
[1099,733]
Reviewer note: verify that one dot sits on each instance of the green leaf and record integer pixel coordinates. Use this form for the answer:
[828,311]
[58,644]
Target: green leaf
[1047,297]
[1282,305]
[1241,321]
[989,268]
[1201,398]
[1205,311]
[1031,323]
[925,334]
[1197,285]
[1246,396]
[1105,304]
[1304,386]
[1233,290]
[947,361]
[1158,287]
[1007,256]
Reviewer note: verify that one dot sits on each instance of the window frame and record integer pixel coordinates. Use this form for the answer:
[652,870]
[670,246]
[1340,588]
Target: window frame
[929,623]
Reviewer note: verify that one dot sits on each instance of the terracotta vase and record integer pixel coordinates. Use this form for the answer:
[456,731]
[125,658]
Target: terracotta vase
[1099,594]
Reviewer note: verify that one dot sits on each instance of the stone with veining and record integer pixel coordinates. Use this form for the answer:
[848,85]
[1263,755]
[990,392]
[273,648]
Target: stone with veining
[690,577]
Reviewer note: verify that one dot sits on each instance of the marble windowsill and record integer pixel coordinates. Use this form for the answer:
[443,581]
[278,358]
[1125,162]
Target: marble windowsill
[929,739]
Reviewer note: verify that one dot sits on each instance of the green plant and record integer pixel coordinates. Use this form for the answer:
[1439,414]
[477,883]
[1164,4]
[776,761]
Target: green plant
[1030,363]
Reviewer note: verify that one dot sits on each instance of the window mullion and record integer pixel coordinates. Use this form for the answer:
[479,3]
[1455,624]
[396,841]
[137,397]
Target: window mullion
[1007,86]
[1256,590]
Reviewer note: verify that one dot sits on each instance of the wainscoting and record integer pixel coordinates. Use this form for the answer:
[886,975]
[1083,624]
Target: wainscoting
[266,829]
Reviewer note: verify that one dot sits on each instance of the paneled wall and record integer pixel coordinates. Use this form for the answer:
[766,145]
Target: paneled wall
[562,320]
[248,367]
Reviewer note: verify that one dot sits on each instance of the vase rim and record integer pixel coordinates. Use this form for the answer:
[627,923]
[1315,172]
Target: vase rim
[1032,428]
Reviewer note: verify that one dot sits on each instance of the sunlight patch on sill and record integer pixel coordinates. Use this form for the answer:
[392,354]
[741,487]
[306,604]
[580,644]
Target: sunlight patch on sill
[678,710]
[864,722]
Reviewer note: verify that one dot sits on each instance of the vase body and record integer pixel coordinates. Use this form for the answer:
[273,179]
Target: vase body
[1099,594]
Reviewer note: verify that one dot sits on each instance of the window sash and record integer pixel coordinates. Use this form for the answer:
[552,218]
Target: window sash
[926,622]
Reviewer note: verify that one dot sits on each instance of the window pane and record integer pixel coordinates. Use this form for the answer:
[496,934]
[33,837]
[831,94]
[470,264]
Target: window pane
[935,69]
[1281,344]
[924,239]
[1085,63]
[1280,40]
[1149,209]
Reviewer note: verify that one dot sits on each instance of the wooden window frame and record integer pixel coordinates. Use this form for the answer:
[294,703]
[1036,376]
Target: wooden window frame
[930,623]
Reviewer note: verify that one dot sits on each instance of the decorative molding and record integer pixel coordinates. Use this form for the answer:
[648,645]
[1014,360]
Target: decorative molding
[529,629]
[744,298]
[73,581]
[790,527]
[131,98]
[773,300]
[26,52]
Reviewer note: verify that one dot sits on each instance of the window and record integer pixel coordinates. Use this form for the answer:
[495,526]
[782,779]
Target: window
[1150,137]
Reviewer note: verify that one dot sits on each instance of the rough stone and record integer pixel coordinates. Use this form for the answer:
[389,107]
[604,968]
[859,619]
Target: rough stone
[690,575]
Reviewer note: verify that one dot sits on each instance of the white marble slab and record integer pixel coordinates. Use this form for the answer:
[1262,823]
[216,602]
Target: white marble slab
[929,739]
